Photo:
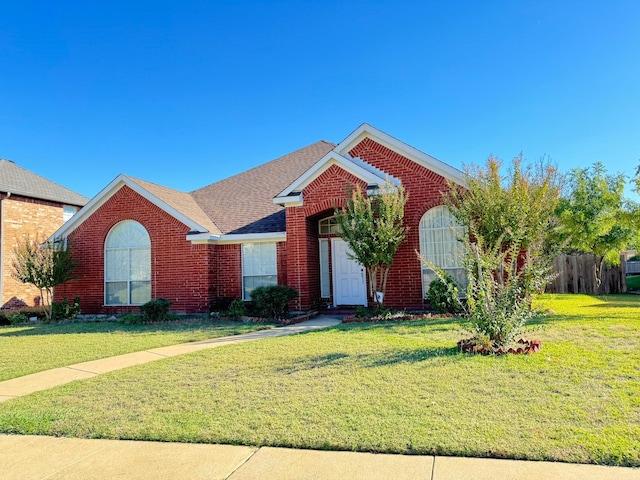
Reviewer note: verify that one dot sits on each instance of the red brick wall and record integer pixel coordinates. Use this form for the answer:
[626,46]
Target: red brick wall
[321,197]
[425,188]
[181,272]
[21,218]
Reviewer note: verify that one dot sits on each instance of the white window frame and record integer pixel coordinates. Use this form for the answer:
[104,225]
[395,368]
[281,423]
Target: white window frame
[325,276]
[328,226]
[268,272]
[68,211]
[448,232]
[129,281]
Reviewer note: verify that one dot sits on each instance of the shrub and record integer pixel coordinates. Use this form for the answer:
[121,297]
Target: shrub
[4,319]
[443,295]
[271,301]
[18,317]
[237,309]
[157,310]
[131,319]
[65,310]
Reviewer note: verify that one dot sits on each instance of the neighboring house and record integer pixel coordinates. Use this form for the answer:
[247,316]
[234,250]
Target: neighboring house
[271,224]
[30,206]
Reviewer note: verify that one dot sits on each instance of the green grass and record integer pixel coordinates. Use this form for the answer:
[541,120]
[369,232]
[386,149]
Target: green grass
[633,283]
[33,348]
[397,387]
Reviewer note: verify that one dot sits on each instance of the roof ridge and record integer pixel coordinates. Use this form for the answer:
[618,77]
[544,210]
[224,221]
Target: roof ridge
[262,165]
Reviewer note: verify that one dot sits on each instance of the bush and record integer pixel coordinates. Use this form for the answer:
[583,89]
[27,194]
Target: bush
[237,309]
[4,319]
[443,295]
[16,318]
[271,302]
[157,310]
[65,310]
[131,319]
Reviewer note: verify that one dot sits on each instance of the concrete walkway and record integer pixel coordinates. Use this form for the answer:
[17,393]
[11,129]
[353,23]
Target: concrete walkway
[35,457]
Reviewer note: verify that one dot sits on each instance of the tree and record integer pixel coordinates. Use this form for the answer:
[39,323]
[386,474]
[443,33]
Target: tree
[44,266]
[509,223]
[372,226]
[595,217]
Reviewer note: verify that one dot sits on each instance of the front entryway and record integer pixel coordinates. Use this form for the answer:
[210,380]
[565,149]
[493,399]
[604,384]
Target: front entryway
[349,277]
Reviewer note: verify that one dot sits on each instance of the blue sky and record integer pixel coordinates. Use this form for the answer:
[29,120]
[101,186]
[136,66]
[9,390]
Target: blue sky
[187,93]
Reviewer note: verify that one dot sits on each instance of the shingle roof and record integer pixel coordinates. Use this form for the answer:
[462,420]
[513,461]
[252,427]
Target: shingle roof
[18,181]
[181,201]
[243,203]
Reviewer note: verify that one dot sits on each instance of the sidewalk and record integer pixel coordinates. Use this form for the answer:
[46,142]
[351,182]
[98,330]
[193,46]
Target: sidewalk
[35,458]
[17,387]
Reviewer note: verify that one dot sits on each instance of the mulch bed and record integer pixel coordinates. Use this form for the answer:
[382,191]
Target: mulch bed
[522,346]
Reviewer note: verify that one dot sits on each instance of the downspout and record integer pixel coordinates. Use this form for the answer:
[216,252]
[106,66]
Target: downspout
[2,273]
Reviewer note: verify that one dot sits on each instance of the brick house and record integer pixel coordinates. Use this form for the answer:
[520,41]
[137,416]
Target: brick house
[271,224]
[30,206]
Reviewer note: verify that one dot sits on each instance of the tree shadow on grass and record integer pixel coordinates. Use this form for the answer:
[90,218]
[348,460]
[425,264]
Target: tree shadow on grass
[390,324]
[372,360]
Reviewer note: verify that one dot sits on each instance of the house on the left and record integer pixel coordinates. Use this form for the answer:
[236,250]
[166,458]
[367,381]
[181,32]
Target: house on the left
[30,206]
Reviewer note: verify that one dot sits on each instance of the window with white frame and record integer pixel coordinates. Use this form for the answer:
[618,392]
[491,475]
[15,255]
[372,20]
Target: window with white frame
[328,226]
[325,285]
[439,232]
[259,267]
[68,211]
[127,265]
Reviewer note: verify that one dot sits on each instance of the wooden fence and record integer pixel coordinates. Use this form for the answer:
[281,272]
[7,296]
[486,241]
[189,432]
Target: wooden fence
[633,268]
[576,274]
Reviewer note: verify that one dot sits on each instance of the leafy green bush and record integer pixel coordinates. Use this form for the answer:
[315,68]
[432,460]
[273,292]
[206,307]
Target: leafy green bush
[65,310]
[16,318]
[157,310]
[237,309]
[271,301]
[443,295]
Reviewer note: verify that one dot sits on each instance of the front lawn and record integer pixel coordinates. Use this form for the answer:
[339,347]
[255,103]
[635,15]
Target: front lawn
[397,387]
[32,348]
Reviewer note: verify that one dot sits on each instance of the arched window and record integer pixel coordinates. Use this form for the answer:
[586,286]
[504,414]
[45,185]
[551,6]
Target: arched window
[328,225]
[127,265]
[439,244]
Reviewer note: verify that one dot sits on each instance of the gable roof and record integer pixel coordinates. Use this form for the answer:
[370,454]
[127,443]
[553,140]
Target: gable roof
[247,206]
[175,203]
[19,181]
[368,173]
[243,204]
[431,163]
[292,195]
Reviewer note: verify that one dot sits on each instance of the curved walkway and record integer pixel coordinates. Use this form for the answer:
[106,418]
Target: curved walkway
[36,457]
[17,387]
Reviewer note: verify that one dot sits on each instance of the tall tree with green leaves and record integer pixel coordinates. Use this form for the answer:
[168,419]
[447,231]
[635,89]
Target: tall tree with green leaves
[43,265]
[372,225]
[595,216]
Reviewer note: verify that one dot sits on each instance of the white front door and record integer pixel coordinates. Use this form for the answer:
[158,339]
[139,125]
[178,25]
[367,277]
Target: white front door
[349,277]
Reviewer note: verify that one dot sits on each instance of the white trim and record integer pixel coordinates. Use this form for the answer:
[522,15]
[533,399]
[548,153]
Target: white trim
[324,293]
[109,191]
[427,161]
[289,200]
[370,174]
[237,238]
